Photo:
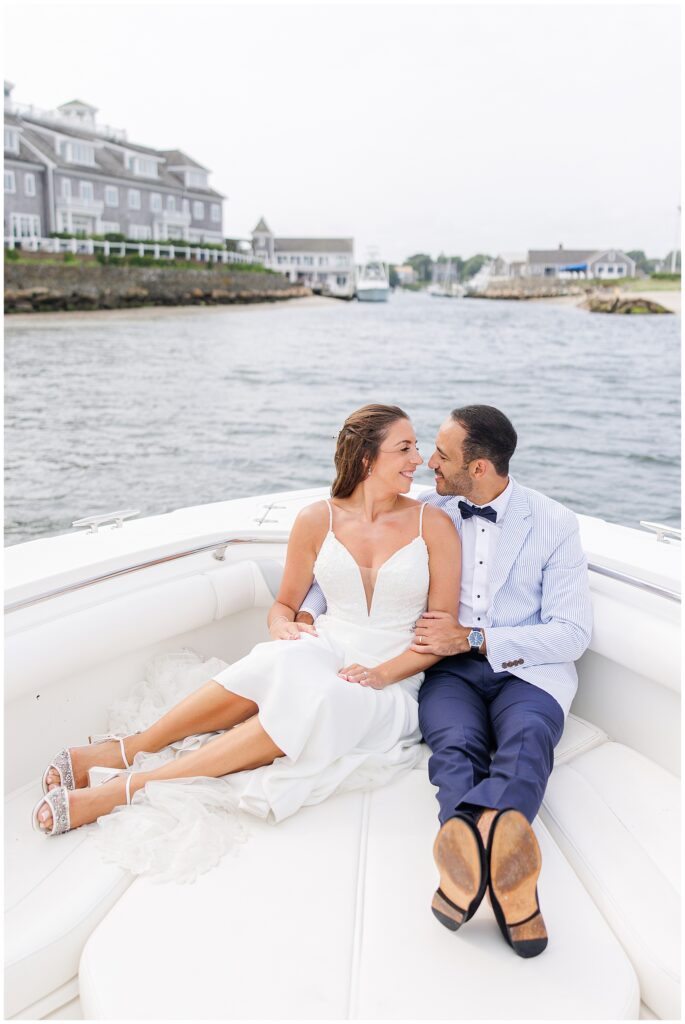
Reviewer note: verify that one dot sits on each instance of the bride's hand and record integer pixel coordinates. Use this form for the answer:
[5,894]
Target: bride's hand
[364,676]
[284,629]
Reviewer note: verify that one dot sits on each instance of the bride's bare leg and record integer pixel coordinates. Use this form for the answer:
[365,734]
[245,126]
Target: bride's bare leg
[209,709]
[247,747]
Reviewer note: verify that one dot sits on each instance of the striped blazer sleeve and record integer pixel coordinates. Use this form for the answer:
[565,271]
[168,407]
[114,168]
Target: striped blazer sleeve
[564,628]
[314,602]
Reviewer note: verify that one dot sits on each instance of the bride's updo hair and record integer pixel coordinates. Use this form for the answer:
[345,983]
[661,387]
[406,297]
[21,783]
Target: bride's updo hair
[358,442]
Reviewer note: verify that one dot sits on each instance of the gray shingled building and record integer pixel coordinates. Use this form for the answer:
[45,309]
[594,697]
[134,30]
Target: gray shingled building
[64,172]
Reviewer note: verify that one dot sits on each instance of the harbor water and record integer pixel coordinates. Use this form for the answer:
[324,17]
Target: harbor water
[161,408]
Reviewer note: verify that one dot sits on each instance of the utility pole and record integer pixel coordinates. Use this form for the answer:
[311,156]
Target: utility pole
[674,254]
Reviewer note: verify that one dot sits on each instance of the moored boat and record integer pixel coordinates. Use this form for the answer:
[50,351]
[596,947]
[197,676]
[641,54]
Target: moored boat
[372,281]
[327,914]
[445,283]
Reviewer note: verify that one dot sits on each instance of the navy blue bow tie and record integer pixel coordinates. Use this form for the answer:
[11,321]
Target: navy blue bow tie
[472,510]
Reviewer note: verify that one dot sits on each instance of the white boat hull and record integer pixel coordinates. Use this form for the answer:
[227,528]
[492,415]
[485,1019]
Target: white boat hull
[348,881]
[373,294]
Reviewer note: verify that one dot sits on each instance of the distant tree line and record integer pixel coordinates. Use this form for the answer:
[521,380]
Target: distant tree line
[423,265]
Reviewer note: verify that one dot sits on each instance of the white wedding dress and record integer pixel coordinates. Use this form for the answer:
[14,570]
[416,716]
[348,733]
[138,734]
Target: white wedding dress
[334,734]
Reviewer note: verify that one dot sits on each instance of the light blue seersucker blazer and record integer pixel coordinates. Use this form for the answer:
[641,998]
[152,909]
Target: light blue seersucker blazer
[540,609]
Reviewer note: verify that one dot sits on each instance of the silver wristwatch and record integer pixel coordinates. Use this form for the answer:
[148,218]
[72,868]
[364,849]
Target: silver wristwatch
[476,639]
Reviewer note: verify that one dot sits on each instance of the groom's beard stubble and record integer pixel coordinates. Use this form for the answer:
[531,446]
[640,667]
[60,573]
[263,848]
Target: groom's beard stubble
[460,483]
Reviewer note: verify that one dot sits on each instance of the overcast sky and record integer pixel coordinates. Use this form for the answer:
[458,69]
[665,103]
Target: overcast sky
[454,128]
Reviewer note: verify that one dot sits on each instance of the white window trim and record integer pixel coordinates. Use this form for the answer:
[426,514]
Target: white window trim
[133,161]
[141,232]
[13,134]
[136,204]
[196,179]
[15,220]
[86,187]
[198,209]
[216,213]
[65,148]
[11,177]
[29,176]
[156,202]
[109,190]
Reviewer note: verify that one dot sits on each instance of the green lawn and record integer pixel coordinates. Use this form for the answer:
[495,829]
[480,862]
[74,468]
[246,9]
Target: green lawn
[648,284]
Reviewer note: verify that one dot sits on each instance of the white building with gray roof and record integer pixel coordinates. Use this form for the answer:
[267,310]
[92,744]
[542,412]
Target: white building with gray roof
[65,172]
[324,264]
[584,263]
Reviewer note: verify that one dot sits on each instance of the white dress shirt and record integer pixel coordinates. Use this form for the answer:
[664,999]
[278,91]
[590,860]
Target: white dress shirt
[479,539]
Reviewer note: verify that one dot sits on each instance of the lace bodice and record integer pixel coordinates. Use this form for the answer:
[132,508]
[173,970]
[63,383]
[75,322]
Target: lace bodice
[400,593]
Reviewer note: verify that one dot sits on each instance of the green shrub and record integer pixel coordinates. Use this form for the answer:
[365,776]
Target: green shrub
[12,255]
[665,277]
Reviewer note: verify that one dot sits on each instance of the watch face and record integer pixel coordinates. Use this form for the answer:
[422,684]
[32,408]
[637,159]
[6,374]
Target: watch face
[475,638]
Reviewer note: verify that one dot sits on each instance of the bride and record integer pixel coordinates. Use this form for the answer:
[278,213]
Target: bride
[319,706]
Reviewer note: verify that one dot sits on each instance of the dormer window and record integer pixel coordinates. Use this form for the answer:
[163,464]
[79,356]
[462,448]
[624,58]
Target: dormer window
[11,140]
[142,166]
[77,152]
[196,179]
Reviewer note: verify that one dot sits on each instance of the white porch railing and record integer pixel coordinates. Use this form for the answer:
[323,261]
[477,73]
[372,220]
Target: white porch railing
[159,250]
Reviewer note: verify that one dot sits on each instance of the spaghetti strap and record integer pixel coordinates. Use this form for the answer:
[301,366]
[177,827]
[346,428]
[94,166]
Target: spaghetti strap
[330,516]
[423,506]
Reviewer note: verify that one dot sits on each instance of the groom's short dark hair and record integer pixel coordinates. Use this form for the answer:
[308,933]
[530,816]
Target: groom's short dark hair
[489,435]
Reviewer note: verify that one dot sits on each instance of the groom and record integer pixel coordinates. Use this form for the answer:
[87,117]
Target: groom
[493,709]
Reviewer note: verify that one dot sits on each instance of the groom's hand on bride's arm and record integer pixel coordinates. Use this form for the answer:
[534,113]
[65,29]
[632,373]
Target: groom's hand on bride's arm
[439,633]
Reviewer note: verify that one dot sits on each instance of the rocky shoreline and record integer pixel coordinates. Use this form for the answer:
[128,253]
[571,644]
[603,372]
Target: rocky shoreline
[41,287]
[590,297]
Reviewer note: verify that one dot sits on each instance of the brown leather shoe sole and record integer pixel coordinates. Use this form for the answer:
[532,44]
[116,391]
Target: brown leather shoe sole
[515,863]
[458,859]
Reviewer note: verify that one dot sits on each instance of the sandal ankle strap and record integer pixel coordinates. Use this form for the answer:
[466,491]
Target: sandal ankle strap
[119,737]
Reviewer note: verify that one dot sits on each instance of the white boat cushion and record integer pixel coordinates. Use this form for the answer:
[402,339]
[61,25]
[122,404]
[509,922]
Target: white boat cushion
[56,891]
[578,736]
[615,815]
[327,915]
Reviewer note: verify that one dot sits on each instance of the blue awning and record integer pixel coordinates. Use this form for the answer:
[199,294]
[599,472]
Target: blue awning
[574,266]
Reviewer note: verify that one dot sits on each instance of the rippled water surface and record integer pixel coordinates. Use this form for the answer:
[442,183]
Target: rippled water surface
[157,409]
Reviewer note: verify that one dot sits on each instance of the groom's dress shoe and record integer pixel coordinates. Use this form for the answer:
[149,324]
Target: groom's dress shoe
[461,862]
[514,863]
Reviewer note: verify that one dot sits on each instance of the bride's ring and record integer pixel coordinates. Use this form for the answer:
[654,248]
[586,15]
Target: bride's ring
[365,675]
[421,640]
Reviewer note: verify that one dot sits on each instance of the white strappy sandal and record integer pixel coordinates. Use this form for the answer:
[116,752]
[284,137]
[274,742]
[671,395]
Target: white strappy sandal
[64,768]
[58,801]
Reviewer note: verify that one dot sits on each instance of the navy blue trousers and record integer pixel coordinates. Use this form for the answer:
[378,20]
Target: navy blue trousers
[492,737]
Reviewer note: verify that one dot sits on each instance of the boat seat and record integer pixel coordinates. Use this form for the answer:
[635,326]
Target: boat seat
[56,891]
[327,916]
[615,815]
[46,927]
